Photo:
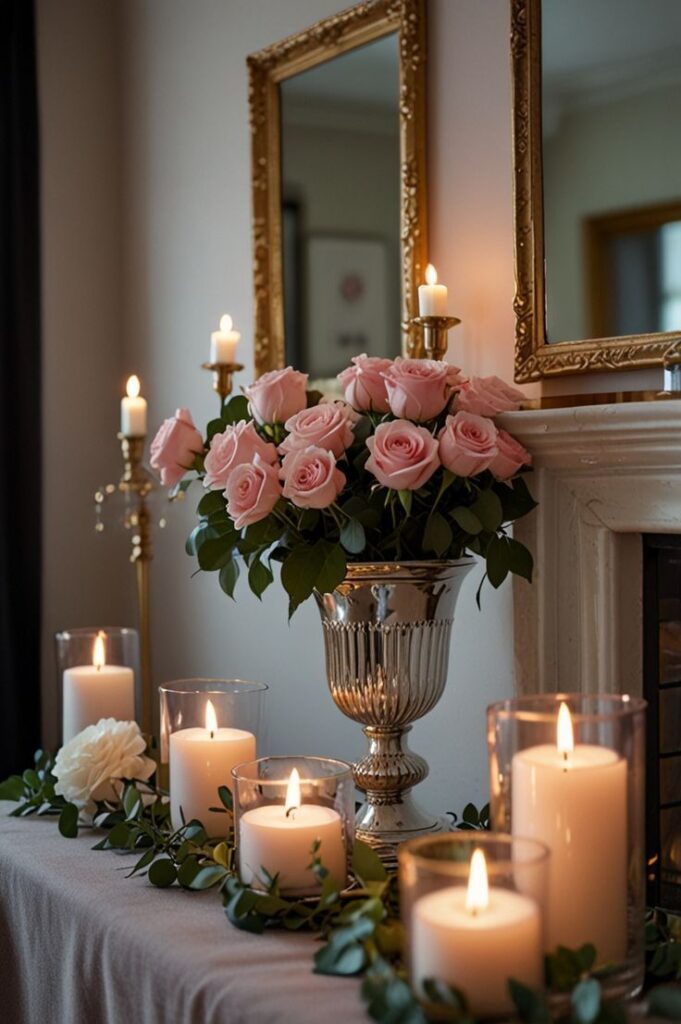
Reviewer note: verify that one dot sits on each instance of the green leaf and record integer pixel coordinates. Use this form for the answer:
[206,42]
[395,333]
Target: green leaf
[467,520]
[162,873]
[216,554]
[235,410]
[322,566]
[229,574]
[119,836]
[68,821]
[259,577]
[520,560]
[366,864]
[565,967]
[470,815]
[207,877]
[212,501]
[132,802]
[531,1006]
[405,500]
[12,788]
[332,566]
[586,1001]
[226,797]
[438,534]
[188,871]
[665,1001]
[214,427]
[352,537]
[442,994]
[497,560]
[488,508]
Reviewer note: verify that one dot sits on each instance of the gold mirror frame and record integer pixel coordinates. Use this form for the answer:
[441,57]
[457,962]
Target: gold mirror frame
[344,31]
[535,358]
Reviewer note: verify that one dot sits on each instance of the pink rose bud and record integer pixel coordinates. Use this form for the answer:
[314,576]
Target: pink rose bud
[468,443]
[403,456]
[511,457]
[488,396]
[252,491]
[327,425]
[233,447]
[175,446]
[364,384]
[419,389]
[277,395]
[311,479]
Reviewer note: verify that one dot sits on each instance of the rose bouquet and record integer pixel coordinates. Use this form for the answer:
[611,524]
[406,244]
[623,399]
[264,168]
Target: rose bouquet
[410,466]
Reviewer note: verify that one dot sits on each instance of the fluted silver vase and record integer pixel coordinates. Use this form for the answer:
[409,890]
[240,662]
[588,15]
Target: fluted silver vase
[387,631]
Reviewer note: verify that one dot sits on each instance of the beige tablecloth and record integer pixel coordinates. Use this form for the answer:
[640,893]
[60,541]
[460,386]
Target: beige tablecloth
[81,944]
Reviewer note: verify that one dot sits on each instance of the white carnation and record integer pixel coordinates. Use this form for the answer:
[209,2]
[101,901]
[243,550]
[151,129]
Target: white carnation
[86,765]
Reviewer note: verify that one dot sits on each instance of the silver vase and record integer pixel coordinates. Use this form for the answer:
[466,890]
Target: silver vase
[387,630]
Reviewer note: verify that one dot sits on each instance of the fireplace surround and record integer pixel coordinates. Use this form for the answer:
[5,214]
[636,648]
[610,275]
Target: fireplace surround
[606,539]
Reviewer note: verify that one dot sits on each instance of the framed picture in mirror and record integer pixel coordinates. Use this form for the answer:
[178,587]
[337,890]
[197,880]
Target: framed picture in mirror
[597,180]
[339,188]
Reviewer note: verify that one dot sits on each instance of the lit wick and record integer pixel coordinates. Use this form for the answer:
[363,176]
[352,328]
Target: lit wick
[292,802]
[565,738]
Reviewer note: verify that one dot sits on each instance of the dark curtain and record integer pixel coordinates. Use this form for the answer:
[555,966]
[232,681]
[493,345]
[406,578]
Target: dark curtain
[20,433]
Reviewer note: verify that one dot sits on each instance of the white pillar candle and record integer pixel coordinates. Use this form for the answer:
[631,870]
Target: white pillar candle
[223,343]
[432,296]
[201,760]
[574,799]
[475,939]
[91,692]
[133,410]
[280,837]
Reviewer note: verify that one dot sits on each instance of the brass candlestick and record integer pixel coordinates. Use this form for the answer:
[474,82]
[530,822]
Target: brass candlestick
[223,374]
[137,484]
[435,329]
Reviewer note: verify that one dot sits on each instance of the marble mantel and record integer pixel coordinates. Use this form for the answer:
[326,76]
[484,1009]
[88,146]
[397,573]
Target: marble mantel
[603,475]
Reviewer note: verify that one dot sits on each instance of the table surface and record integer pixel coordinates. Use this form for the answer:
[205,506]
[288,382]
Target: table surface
[81,944]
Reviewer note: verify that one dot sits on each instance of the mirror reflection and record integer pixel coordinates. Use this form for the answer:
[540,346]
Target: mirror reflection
[611,119]
[340,164]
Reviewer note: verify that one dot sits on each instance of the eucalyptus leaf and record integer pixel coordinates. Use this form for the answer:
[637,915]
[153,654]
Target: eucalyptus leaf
[352,537]
[498,561]
[207,877]
[259,577]
[12,788]
[531,1006]
[68,821]
[229,574]
[235,410]
[212,501]
[586,1001]
[366,864]
[438,534]
[467,520]
[162,873]
[489,510]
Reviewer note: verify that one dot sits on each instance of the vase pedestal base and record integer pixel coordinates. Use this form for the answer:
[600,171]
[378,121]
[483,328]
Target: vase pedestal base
[385,826]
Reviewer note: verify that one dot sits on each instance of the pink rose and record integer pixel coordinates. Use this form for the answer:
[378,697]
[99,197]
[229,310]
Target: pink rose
[311,479]
[364,383]
[419,389]
[510,456]
[175,446]
[327,425]
[277,395]
[252,491]
[236,445]
[468,443]
[488,396]
[403,456]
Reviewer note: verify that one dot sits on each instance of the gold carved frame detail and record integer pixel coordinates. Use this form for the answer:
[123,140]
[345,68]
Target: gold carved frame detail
[534,357]
[354,27]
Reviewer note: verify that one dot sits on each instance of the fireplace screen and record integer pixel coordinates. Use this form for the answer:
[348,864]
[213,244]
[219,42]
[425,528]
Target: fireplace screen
[662,690]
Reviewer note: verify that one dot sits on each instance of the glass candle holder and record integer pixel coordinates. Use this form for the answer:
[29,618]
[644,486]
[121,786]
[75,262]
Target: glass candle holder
[473,907]
[207,726]
[289,810]
[568,769]
[99,672]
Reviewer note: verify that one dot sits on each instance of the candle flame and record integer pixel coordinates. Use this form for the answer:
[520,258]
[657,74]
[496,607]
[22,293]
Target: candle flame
[211,719]
[292,793]
[226,323]
[565,739]
[431,274]
[132,388]
[99,650]
[477,895]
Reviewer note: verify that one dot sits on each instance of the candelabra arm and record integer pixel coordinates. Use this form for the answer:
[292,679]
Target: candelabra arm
[223,377]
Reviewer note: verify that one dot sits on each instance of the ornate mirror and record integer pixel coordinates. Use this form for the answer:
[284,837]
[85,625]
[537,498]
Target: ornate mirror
[597,149]
[339,210]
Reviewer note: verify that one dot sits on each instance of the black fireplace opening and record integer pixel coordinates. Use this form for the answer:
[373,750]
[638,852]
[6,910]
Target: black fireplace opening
[662,690]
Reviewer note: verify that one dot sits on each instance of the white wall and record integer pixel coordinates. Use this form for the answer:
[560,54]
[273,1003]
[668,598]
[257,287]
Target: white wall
[85,580]
[188,257]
